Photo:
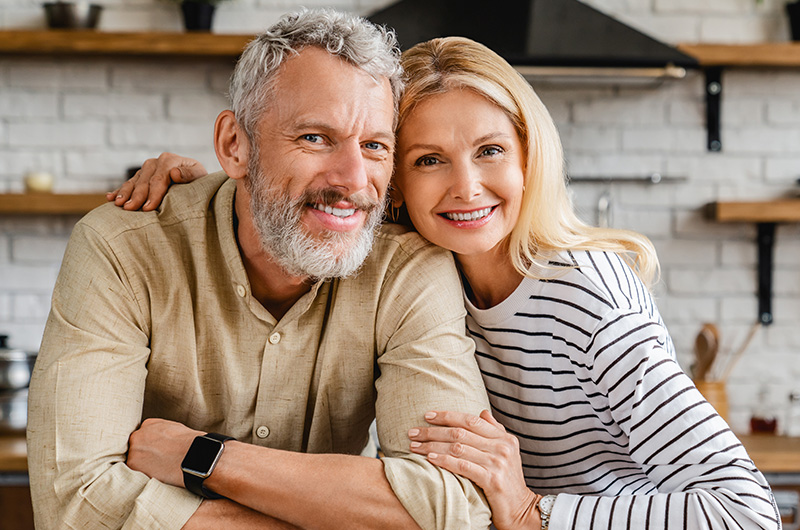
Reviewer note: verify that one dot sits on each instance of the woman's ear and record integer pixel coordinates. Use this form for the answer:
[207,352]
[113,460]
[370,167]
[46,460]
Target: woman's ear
[231,144]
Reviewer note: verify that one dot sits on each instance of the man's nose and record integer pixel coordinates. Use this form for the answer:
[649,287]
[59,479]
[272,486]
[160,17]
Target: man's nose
[348,171]
[466,181]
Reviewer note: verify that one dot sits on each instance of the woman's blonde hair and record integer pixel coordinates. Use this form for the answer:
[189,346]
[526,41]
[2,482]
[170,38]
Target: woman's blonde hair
[547,221]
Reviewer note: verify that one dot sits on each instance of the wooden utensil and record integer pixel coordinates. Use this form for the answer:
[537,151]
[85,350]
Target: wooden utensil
[706,346]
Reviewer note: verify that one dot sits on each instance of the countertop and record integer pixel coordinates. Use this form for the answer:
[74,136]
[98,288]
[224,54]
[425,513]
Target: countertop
[771,454]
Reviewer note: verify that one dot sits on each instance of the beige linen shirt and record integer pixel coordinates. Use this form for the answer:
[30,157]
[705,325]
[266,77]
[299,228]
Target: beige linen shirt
[153,316]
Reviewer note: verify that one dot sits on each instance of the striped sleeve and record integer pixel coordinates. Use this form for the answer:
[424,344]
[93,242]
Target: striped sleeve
[700,476]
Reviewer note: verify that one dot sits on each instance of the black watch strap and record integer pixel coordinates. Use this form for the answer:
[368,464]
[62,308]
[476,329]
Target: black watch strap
[194,483]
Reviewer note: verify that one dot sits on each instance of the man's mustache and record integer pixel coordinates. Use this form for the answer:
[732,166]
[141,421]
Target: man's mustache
[332,196]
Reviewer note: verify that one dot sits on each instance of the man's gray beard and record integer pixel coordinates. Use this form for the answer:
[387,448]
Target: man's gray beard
[278,222]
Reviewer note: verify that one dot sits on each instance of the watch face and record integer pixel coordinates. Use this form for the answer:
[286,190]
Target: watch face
[546,504]
[202,456]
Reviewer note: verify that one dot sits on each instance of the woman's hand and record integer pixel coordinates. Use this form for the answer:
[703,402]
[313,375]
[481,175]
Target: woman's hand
[480,449]
[148,186]
[157,449]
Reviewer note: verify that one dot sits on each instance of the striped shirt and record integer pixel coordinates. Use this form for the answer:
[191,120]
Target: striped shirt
[581,368]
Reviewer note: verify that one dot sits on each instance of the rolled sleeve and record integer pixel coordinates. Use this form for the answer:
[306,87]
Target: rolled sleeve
[428,364]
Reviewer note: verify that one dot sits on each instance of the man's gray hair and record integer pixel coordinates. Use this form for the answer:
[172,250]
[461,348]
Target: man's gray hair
[361,43]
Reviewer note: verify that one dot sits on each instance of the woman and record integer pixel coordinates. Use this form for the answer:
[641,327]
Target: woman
[593,423]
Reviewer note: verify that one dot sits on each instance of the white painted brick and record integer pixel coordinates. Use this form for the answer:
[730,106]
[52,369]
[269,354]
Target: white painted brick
[786,282]
[245,21]
[783,112]
[655,195]
[203,108]
[5,248]
[166,136]
[668,28]
[739,309]
[5,308]
[30,249]
[687,310]
[715,167]
[52,74]
[783,333]
[782,170]
[687,112]
[702,8]
[86,74]
[590,139]
[744,29]
[738,253]
[155,17]
[694,223]
[16,163]
[628,112]
[23,17]
[621,165]
[787,249]
[38,134]
[767,83]
[661,139]
[31,307]
[15,104]
[219,78]
[33,278]
[148,77]
[673,252]
[712,281]
[750,191]
[25,335]
[105,163]
[761,139]
[653,224]
[748,112]
[135,106]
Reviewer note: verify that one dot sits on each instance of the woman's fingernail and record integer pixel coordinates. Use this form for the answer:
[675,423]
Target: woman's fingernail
[430,415]
[119,196]
[413,432]
[146,203]
[433,456]
[414,445]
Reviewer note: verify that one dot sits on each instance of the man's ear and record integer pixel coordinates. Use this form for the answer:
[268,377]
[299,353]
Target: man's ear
[395,196]
[231,145]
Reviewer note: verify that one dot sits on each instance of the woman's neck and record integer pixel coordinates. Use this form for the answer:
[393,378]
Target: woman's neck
[489,278]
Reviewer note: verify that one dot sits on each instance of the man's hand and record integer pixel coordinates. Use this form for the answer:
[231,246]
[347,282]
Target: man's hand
[157,449]
[148,186]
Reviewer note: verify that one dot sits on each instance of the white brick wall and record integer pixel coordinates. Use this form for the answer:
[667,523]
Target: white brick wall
[88,119]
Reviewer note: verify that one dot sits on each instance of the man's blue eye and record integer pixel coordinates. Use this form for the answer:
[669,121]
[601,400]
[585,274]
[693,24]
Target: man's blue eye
[373,146]
[314,138]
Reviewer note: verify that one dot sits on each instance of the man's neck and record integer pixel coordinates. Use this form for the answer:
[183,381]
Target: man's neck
[272,286]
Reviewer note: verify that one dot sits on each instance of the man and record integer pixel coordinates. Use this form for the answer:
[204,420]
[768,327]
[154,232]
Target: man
[253,307]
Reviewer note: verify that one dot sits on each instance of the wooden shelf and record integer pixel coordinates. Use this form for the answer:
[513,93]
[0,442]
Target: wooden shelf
[778,211]
[773,54]
[50,203]
[86,42]
[773,454]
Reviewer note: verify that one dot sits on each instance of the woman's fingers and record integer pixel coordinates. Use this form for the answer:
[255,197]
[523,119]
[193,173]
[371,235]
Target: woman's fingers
[477,424]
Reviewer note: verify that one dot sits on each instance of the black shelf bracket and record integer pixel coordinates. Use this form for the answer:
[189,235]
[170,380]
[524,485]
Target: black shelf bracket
[766,245]
[713,108]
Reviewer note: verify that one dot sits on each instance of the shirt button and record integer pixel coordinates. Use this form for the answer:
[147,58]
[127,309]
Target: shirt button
[275,338]
[262,432]
[241,290]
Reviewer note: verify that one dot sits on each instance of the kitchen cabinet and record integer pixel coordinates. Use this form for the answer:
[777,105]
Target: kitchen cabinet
[16,511]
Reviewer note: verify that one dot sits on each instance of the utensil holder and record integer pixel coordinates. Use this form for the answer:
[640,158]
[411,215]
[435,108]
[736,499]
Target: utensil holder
[716,395]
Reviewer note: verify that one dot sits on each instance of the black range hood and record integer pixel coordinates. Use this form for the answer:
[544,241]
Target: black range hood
[542,36]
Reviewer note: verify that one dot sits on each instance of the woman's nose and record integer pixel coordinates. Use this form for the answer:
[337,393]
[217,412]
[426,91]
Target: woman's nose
[466,182]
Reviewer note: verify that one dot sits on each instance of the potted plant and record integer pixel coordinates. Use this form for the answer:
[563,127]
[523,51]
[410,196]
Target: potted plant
[793,11]
[198,15]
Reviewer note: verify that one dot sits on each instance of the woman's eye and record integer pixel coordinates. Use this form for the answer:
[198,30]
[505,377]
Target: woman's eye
[491,150]
[426,161]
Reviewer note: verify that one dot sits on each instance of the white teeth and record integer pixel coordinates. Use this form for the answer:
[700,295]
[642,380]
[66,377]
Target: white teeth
[338,212]
[471,216]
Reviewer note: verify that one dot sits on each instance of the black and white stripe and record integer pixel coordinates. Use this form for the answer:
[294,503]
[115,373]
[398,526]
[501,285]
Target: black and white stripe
[581,369]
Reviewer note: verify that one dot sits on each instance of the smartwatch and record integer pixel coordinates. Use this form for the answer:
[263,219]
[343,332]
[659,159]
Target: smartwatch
[200,461]
[545,509]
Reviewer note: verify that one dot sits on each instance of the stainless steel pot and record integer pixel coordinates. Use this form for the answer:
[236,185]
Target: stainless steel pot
[16,366]
[72,15]
[13,411]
